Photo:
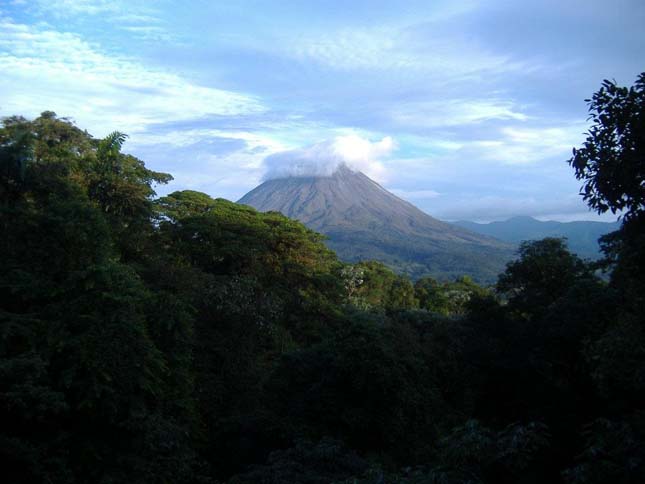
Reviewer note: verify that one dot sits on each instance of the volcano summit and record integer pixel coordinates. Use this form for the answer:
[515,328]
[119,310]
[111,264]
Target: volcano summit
[365,221]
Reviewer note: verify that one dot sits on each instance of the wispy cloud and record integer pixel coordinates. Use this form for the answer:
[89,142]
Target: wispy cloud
[149,32]
[398,48]
[78,7]
[47,69]
[455,112]
[415,194]
[139,19]
[518,145]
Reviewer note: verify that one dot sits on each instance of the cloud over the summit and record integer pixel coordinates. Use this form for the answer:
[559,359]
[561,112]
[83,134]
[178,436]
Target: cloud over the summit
[322,159]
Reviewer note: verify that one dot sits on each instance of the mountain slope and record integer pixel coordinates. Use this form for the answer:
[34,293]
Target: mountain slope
[365,221]
[582,236]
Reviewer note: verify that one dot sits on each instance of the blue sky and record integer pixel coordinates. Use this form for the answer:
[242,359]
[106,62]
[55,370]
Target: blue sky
[467,109]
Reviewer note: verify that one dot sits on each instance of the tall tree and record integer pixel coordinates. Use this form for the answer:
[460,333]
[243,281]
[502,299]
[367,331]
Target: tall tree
[544,271]
[611,162]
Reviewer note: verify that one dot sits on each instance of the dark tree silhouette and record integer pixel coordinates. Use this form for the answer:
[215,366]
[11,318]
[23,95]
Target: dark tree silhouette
[611,162]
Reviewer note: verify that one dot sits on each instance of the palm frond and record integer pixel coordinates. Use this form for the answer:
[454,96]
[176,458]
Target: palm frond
[113,142]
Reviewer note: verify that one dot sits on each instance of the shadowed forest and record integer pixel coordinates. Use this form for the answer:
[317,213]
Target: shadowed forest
[186,339]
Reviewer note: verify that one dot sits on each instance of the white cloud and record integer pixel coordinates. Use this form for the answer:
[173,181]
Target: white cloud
[354,49]
[187,137]
[153,33]
[399,47]
[69,8]
[519,145]
[455,112]
[139,19]
[414,194]
[76,7]
[134,18]
[324,158]
[46,69]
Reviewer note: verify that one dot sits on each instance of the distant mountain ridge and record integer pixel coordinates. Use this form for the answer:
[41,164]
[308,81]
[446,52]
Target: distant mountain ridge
[582,236]
[365,221]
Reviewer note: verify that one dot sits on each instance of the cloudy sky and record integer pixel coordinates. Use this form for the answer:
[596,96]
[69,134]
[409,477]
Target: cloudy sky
[468,109]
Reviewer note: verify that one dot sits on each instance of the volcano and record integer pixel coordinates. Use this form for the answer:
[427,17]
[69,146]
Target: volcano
[364,221]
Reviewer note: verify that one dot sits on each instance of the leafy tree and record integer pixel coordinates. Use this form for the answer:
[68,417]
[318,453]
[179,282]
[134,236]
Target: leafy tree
[183,204]
[449,298]
[510,455]
[611,165]
[475,454]
[367,386]
[371,284]
[613,452]
[261,286]
[430,295]
[544,271]
[83,382]
[611,162]
[15,152]
[306,463]
[616,359]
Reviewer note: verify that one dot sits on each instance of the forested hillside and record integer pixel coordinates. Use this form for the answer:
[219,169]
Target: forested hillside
[582,236]
[186,339]
[363,221]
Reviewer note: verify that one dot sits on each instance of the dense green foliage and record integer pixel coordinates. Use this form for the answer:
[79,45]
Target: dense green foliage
[190,339]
